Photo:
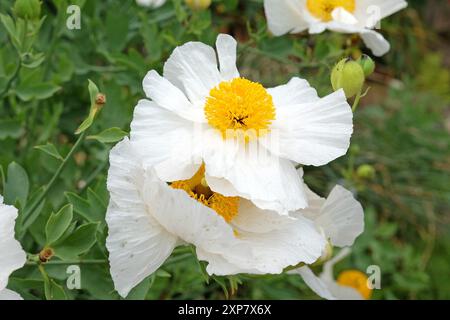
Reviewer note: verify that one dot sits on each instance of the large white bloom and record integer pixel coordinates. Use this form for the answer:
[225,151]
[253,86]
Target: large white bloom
[248,137]
[148,218]
[341,219]
[346,16]
[12,257]
[151,3]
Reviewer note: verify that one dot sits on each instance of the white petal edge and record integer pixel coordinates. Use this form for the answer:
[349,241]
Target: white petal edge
[226,47]
[138,245]
[284,16]
[375,42]
[6,294]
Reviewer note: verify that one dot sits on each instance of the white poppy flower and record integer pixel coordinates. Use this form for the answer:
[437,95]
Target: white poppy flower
[341,219]
[151,3]
[346,16]
[12,256]
[148,218]
[247,136]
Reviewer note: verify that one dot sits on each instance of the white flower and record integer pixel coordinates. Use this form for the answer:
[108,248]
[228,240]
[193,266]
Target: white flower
[148,218]
[246,136]
[346,16]
[341,219]
[12,257]
[151,3]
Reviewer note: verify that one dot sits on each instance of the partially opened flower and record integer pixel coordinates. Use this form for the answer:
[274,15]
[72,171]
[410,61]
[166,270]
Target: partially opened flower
[151,3]
[12,257]
[341,219]
[346,16]
[203,112]
[148,218]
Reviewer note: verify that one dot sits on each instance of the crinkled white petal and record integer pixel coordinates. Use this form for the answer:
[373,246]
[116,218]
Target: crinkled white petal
[151,3]
[12,255]
[340,216]
[226,51]
[285,16]
[312,133]
[138,245]
[343,16]
[166,95]
[315,283]
[271,183]
[6,294]
[192,67]
[165,140]
[296,91]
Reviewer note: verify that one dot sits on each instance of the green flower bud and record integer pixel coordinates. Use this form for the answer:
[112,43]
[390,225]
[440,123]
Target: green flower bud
[348,75]
[367,64]
[366,171]
[198,4]
[28,9]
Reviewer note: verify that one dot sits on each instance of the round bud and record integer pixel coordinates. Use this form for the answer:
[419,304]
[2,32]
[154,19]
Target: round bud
[367,64]
[198,4]
[366,171]
[348,75]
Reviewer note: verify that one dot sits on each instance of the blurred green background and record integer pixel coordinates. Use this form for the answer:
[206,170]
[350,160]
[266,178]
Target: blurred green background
[398,165]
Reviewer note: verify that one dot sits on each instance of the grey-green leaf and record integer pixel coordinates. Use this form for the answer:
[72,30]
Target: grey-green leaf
[50,149]
[110,135]
[58,223]
[79,242]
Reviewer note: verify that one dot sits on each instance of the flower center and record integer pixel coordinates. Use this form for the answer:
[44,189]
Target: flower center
[356,280]
[322,9]
[240,105]
[198,189]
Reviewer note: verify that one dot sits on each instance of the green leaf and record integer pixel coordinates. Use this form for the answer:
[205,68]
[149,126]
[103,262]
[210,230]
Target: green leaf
[54,291]
[38,91]
[50,149]
[93,92]
[93,209]
[10,129]
[10,27]
[110,135]
[79,242]
[58,223]
[17,185]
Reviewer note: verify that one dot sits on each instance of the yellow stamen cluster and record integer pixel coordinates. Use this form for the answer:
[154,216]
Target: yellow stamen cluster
[322,9]
[196,188]
[356,280]
[240,105]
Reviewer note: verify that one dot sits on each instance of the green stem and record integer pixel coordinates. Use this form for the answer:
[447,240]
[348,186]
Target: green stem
[68,262]
[356,102]
[38,201]
[11,80]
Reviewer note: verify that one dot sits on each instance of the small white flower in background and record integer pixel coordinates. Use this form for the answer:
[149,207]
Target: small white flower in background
[341,219]
[247,136]
[346,16]
[151,3]
[350,284]
[12,257]
[147,218]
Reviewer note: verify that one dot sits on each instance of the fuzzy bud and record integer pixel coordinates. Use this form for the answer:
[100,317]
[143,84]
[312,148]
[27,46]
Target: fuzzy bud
[348,75]
[198,4]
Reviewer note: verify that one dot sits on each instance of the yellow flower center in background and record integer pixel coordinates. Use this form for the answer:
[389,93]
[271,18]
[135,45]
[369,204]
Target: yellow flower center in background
[356,280]
[198,189]
[240,105]
[322,9]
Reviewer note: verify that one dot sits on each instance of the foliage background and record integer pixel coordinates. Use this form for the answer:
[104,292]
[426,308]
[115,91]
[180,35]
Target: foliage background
[402,131]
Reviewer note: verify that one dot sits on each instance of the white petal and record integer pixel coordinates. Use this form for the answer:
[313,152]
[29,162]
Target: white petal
[341,217]
[169,97]
[343,16]
[312,133]
[344,292]
[192,67]
[316,284]
[6,294]
[372,11]
[269,182]
[296,91]
[226,51]
[137,243]
[163,139]
[284,16]
[151,3]
[12,255]
[376,42]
